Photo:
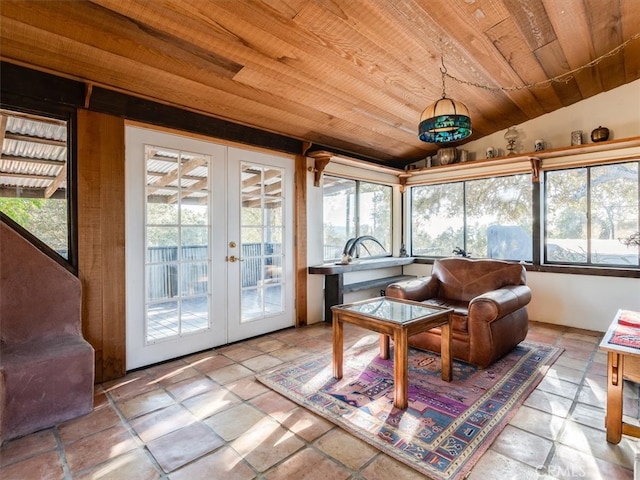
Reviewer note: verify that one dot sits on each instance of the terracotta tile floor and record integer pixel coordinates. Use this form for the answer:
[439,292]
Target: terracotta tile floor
[206,417]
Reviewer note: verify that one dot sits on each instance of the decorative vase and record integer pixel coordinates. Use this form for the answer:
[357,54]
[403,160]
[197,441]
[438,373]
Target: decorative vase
[447,155]
[576,137]
[511,136]
[600,134]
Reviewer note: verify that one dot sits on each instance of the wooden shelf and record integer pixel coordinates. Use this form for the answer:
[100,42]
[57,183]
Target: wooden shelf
[542,155]
[375,283]
[575,155]
[504,165]
[335,288]
[359,265]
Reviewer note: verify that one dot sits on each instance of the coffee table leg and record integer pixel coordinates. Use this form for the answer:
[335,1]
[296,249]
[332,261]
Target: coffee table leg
[445,350]
[338,342]
[400,369]
[384,346]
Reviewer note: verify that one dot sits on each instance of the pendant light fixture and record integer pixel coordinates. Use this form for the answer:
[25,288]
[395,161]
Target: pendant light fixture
[445,120]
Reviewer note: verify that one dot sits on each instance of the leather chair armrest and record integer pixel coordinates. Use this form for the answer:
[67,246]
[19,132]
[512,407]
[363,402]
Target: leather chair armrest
[498,303]
[418,290]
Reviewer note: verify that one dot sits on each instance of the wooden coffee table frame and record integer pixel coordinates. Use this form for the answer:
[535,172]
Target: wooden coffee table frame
[400,331]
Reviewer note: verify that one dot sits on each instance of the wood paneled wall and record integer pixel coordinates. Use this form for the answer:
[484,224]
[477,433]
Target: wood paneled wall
[101,239]
[301,239]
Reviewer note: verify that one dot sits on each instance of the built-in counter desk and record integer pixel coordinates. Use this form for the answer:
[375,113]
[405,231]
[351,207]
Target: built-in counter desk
[335,288]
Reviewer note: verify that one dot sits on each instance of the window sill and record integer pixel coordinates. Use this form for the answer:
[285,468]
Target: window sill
[567,269]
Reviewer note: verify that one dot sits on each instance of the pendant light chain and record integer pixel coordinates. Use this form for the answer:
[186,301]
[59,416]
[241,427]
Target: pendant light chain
[443,71]
[562,78]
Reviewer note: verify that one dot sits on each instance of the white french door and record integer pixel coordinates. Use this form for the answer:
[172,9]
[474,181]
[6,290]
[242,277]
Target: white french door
[260,270]
[208,245]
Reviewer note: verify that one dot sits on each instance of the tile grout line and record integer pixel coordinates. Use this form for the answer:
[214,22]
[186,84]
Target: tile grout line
[574,402]
[140,444]
[61,452]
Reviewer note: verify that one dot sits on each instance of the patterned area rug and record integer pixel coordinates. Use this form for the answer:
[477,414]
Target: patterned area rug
[447,426]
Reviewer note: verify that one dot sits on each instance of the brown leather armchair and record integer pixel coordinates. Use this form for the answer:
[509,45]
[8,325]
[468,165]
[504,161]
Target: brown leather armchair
[489,298]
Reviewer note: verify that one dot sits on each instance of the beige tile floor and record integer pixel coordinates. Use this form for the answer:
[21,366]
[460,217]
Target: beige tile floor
[206,417]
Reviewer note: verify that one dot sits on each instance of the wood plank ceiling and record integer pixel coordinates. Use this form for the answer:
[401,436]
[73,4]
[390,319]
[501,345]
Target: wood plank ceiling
[354,75]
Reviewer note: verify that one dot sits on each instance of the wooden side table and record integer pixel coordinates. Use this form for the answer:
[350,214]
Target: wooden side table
[399,319]
[623,363]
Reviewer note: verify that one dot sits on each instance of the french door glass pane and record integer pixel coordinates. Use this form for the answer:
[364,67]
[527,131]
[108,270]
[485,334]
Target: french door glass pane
[177,242]
[162,213]
[261,237]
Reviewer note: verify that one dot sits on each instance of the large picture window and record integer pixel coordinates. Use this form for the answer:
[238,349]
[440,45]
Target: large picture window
[589,212]
[489,218]
[34,177]
[353,208]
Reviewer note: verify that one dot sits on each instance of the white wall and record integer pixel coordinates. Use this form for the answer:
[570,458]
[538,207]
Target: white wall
[617,109]
[315,283]
[581,301]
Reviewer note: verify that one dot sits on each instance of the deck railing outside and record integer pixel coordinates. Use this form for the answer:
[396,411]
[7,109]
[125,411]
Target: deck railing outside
[162,277]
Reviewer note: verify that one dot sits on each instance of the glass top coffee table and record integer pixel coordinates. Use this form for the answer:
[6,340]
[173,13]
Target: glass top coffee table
[392,317]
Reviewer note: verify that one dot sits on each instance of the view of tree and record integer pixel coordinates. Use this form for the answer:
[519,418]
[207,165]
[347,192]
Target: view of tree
[486,218]
[44,218]
[606,194]
[341,220]
[33,185]
[375,212]
[339,214]
[493,217]
[499,217]
[566,207]
[437,220]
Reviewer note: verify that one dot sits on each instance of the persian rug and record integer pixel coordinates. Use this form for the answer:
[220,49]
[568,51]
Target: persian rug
[446,427]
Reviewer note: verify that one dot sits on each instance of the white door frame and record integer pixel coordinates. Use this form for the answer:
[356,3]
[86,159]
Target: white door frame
[224,303]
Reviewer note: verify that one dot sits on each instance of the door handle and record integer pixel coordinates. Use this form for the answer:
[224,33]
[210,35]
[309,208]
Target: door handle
[233,259]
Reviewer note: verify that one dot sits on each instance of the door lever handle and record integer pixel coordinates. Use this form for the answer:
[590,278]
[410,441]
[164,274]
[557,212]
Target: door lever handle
[233,259]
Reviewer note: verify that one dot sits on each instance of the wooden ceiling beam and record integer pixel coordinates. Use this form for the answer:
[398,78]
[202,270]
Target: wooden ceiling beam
[185,168]
[33,176]
[630,19]
[31,139]
[40,161]
[571,26]
[3,128]
[606,34]
[57,181]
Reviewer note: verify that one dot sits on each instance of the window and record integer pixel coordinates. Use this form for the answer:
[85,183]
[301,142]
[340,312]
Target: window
[352,209]
[589,210]
[437,222]
[489,217]
[34,177]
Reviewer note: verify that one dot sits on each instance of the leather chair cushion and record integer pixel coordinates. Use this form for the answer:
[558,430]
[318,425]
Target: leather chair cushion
[460,316]
[462,279]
